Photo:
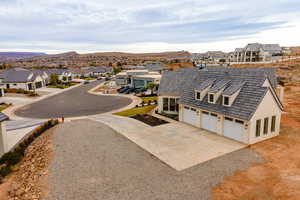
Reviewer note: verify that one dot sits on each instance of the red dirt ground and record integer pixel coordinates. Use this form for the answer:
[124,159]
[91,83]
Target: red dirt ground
[279,176]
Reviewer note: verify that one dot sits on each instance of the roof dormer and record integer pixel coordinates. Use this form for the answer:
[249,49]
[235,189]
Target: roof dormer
[215,92]
[230,93]
[202,90]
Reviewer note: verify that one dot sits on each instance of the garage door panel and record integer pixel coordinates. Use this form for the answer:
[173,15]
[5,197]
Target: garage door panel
[190,116]
[234,130]
[209,122]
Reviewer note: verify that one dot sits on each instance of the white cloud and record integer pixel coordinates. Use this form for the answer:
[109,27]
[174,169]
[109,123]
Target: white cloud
[141,26]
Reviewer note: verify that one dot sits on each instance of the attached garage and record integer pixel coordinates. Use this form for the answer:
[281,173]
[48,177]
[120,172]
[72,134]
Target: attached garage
[38,84]
[209,121]
[234,129]
[190,116]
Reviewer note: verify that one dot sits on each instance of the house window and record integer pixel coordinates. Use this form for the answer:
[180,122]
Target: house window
[198,95]
[165,104]
[226,101]
[273,123]
[211,98]
[258,124]
[266,125]
[177,105]
[239,121]
[172,104]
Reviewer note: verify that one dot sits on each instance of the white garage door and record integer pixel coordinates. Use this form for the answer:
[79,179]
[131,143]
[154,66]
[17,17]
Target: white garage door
[209,121]
[234,129]
[190,116]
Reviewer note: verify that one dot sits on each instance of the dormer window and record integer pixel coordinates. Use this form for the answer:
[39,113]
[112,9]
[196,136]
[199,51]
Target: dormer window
[225,101]
[211,98]
[198,95]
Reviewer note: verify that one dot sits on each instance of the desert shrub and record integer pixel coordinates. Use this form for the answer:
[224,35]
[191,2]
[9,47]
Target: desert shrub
[11,158]
[4,170]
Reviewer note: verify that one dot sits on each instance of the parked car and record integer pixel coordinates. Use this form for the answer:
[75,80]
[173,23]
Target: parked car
[121,88]
[124,89]
[130,90]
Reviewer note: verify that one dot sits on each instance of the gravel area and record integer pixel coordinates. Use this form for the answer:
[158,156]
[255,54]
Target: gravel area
[73,103]
[92,161]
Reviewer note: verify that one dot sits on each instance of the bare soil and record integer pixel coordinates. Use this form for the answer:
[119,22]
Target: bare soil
[279,176]
[29,181]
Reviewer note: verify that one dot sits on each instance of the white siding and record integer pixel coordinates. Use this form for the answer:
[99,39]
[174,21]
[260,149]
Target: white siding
[267,108]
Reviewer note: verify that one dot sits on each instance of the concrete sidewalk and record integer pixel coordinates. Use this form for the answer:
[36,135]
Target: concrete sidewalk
[179,145]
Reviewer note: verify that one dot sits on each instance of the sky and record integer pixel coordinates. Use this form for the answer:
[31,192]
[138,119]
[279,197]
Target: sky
[56,26]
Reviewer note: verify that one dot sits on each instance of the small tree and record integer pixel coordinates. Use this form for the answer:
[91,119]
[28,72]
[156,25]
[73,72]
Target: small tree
[54,79]
[64,78]
[151,86]
[116,70]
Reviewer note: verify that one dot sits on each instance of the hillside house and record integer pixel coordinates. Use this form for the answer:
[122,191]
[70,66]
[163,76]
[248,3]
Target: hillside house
[256,52]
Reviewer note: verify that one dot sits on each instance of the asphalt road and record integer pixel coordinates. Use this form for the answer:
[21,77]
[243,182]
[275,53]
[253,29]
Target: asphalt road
[91,161]
[73,103]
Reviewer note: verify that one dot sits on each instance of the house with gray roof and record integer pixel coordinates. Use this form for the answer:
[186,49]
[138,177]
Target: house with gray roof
[238,103]
[20,78]
[256,52]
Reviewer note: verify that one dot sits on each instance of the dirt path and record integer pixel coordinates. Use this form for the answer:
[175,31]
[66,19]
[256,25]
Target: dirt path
[279,176]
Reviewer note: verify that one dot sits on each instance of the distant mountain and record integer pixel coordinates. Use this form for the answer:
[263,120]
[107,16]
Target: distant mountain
[18,55]
[73,59]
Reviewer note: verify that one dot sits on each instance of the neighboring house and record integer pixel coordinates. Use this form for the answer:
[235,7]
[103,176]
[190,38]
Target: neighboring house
[64,75]
[20,78]
[98,71]
[137,78]
[3,137]
[256,52]
[209,57]
[238,103]
[155,67]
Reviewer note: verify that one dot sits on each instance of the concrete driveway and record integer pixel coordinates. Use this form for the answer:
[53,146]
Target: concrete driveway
[75,102]
[179,145]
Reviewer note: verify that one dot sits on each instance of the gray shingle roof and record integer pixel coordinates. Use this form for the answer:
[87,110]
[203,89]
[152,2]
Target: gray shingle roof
[219,85]
[233,88]
[205,84]
[17,76]
[249,80]
[175,82]
[3,117]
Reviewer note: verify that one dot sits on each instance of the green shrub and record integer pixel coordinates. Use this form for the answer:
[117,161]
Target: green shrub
[11,158]
[4,170]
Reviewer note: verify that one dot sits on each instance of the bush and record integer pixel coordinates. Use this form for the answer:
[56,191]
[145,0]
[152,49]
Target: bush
[4,170]
[11,158]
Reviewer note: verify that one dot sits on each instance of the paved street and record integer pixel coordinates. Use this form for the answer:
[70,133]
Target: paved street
[92,161]
[73,103]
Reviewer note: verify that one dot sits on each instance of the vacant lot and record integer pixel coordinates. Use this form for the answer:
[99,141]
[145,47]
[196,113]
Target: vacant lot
[279,176]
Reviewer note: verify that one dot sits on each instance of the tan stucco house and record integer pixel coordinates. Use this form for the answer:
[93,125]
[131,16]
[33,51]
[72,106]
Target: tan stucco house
[237,103]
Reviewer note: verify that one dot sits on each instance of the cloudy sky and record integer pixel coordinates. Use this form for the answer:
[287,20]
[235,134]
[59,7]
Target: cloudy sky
[146,25]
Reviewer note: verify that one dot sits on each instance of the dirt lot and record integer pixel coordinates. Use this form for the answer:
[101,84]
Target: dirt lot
[279,176]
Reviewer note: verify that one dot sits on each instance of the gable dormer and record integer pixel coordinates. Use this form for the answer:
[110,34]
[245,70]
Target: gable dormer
[202,90]
[230,93]
[215,92]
